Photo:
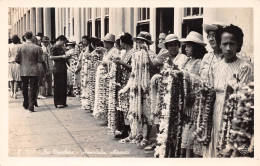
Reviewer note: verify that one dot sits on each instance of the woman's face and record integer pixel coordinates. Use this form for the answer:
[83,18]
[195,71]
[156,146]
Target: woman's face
[189,49]
[122,44]
[84,42]
[173,48]
[139,43]
[60,42]
[162,37]
[228,45]
[212,39]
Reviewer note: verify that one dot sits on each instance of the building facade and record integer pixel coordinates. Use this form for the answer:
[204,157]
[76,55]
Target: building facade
[76,22]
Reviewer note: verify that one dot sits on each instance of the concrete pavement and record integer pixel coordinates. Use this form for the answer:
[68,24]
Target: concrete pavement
[62,132]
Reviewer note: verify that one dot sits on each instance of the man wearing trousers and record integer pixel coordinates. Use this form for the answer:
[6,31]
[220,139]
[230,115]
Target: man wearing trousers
[28,55]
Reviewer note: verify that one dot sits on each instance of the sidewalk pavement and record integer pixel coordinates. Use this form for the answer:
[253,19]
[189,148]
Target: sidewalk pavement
[62,132]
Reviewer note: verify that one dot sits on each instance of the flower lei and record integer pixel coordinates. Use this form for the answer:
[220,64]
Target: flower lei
[138,84]
[237,131]
[162,137]
[112,99]
[156,96]
[101,93]
[89,79]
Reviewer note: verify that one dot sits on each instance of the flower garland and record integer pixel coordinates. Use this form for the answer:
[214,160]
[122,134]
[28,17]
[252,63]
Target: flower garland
[162,137]
[237,134]
[156,97]
[112,99]
[101,93]
[88,94]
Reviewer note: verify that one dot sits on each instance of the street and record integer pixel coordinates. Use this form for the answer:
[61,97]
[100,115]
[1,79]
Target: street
[62,132]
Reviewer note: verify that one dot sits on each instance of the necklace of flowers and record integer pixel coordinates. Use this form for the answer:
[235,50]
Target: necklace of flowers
[162,136]
[237,134]
[156,97]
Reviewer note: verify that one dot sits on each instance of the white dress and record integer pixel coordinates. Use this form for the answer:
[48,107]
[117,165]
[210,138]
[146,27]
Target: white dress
[223,72]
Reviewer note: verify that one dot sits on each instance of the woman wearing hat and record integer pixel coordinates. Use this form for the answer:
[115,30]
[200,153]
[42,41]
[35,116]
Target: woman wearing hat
[143,41]
[213,56]
[195,50]
[60,72]
[231,70]
[172,56]
[109,41]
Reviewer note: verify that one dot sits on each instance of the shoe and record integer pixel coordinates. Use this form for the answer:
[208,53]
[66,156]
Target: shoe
[150,147]
[55,106]
[31,110]
[36,104]
[65,105]
[25,107]
[15,97]
[142,144]
[41,97]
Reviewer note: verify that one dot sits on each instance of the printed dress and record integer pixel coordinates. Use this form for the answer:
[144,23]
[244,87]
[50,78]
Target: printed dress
[222,73]
[13,68]
[207,62]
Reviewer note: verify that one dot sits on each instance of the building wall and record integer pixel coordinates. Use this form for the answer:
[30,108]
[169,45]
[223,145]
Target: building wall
[72,22]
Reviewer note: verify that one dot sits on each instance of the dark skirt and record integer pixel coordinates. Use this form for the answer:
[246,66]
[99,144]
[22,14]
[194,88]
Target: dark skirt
[60,87]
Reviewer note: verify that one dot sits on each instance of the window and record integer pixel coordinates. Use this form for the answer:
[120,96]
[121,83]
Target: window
[143,20]
[89,28]
[192,12]
[143,14]
[98,28]
[106,25]
[192,20]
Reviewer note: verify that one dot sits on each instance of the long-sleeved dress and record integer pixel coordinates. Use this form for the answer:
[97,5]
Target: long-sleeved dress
[222,73]
[60,76]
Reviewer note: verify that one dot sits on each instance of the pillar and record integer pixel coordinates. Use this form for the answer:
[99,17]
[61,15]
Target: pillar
[57,22]
[77,24]
[47,22]
[152,27]
[67,22]
[93,21]
[102,22]
[33,21]
[83,23]
[177,21]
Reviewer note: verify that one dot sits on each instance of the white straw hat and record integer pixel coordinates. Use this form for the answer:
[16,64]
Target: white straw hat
[109,38]
[169,38]
[194,37]
[213,27]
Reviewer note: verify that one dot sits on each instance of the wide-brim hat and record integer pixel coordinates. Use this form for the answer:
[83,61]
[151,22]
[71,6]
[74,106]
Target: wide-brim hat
[109,38]
[144,36]
[212,27]
[194,37]
[169,38]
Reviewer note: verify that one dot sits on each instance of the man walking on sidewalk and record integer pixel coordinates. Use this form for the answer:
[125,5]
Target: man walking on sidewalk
[28,55]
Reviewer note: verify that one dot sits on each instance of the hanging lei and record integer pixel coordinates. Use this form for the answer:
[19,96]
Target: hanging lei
[101,93]
[237,126]
[156,96]
[138,84]
[162,136]
[90,65]
[112,99]
[204,105]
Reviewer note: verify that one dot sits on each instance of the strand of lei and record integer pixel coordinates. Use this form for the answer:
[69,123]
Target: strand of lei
[162,137]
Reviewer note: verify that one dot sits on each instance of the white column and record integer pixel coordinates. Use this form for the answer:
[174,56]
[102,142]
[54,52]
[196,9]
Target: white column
[93,21]
[57,33]
[83,23]
[24,23]
[67,22]
[39,20]
[22,26]
[111,20]
[71,23]
[178,21]
[33,20]
[102,22]
[135,21]
[153,27]
[77,25]
[27,21]
[47,22]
